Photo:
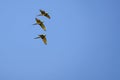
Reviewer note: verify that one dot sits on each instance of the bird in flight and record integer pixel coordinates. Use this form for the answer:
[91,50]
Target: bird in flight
[39,22]
[43,13]
[43,37]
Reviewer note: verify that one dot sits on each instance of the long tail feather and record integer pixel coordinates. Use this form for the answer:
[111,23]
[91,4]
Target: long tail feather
[35,24]
[39,15]
[37,38]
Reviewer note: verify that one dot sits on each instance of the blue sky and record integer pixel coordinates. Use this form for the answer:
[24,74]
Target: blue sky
[83,40]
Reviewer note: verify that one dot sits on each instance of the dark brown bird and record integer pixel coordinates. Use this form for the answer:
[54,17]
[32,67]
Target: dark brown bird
[43,13]
[43,37]
[39,22]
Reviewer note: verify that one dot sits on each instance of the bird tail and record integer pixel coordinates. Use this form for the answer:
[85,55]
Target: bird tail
[39,15]
[35,24]
[36,37]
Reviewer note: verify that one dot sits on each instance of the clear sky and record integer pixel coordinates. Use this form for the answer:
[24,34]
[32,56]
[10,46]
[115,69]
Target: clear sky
[83,40]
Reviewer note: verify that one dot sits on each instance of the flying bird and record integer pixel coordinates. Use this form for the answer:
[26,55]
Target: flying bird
[39,22]
[43,13]
[43,37]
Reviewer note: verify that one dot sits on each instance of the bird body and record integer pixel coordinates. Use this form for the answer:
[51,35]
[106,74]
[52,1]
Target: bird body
[39,22]
[43,37]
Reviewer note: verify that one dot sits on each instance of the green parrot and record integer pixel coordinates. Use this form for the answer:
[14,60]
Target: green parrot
[43,37]
[39,22]
[43,13]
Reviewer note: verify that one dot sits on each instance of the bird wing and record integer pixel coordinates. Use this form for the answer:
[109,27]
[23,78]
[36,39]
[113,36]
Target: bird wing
[42,11]
[43,26]
[44,40]
[47,15]
[38,21]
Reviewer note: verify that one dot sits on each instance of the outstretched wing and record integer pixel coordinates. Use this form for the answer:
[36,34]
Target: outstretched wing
[37,21]
[43,26]
[44,40]
[47,15]
[42,12]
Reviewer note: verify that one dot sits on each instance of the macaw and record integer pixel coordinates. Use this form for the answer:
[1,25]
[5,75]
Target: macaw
[43,37]
[39,22]
[43,13]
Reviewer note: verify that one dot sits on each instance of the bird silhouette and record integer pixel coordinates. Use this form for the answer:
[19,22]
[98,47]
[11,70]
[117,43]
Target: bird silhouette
[43,13]
[43,37]
[39,22]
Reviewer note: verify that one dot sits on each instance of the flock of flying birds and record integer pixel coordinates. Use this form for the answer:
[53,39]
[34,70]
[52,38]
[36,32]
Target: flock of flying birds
[40,23]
